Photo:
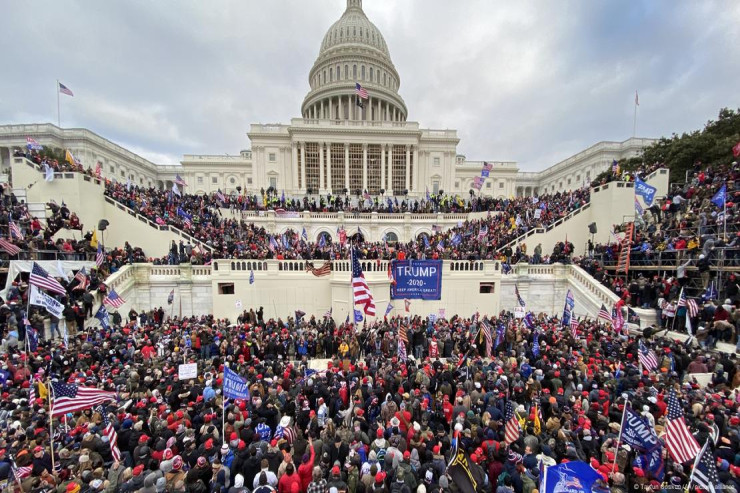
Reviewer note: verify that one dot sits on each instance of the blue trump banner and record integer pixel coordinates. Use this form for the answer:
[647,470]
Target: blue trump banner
[417,279]
[647,192]
[638,434]
[235,387]
[570,477]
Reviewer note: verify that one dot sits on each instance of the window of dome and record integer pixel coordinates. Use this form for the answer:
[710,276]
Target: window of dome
[341,33]
[371,73]
[363,72]
[383,78]
[354,71]
[339,73]
[354,31]
[331,75]
[346,71]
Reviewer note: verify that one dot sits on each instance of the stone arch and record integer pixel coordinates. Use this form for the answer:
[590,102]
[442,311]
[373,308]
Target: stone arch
[422,230]
[392,231]
[323,231]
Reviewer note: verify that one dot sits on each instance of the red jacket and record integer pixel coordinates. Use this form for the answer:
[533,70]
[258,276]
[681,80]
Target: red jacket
[285,485]
[306,469]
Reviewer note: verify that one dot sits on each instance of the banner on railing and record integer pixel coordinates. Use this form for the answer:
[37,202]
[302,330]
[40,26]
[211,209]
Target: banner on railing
[417,279]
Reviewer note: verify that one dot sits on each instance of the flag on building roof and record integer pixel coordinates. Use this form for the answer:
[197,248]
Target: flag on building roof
[41,279]
[605,315]
[9,247]
[70,398]
[360,289]
[647,357]
[680,442]
[113,299]
[64,89]
[361,91]
[110,432]
[511,429]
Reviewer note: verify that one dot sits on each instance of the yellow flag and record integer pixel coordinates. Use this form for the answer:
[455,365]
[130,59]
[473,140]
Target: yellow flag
[94,240]
[70,158]
[537,424]
[43,393]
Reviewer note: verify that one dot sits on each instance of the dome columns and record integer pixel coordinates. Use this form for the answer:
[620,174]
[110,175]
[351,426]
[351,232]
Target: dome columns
[344,107]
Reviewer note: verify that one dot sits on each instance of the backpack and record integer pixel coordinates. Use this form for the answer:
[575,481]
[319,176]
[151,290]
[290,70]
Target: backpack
[501,478]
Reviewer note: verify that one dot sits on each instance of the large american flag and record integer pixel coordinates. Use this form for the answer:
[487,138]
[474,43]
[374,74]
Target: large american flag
[99,257]
[681,443]
[9,247]
[41,279]
[402,335]
[180,181]
[110,432]
[64,89]
[605,315]
[69,398]
[511,430]
[113,299]
[647,357]
[704,474]
[360,289]
[361,91]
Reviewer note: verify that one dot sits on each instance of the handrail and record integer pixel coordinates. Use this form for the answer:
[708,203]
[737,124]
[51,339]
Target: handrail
[51,255]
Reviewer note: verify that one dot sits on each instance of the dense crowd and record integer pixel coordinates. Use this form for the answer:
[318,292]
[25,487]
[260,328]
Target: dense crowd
[380,418]
[201,216]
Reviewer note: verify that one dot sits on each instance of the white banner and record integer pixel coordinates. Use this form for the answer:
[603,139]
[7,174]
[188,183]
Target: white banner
[187,371]
[40,298]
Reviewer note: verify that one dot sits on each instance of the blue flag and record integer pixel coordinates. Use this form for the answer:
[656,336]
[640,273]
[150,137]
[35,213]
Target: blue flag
[322,241]
[251,277]
[536,344]
[529,320]
[720,197]
[358,316]
[235,387]
[638,434]
[571,477]
[102,315]
[646,191]
[638,207]
[426,242]
[304,235]
[388,309]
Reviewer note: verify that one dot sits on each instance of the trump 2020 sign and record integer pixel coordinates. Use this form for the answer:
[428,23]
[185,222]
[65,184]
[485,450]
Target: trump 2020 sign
[417,279]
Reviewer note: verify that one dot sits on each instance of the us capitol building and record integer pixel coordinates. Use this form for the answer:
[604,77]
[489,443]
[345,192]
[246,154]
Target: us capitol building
[337,146]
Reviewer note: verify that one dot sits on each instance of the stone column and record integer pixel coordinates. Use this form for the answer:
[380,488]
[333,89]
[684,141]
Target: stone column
[346,166]
[364,166]
[303,167]
[328,167]
[368,109]
[294,164]
[382,167]
[321,167]
[379,115]
[390,169]
[408,165]
[415,184]
[340,116]
[321,113]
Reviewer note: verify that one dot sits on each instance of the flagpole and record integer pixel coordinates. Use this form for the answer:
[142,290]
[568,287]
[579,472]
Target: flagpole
[223,419]
[619,438]
[634,121]
[59,117]
[49,391]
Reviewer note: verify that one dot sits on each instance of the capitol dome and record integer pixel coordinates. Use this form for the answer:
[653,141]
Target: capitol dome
[352,52]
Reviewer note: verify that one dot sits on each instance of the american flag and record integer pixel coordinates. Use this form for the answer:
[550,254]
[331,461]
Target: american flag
[488,334]
[99,257]
[704,474]
[402,351]
[180,181]
[324,270]
[328,313]
[605,315]
[9,247]
[360,289]
[618,319]
[69,398]
[483,232]
[98,169]
[20,473]
[82,280]
[110,432]
[681,443]
[287,214]
[487,166]
[15,230]
[574,327]
[360,91]
[402,335]
[41,279]
[220,197]
[691,307]
[511,430]
[33,145]
[64,89]
[647,357]
[113,299]
[518,296]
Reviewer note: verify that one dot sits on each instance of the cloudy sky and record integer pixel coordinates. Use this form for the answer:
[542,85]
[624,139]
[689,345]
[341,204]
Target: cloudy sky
[533,82]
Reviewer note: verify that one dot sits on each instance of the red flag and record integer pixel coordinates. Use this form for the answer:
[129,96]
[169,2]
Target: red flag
[736,150]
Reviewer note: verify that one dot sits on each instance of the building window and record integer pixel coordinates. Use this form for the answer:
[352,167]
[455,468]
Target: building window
[339,74]
[488,185]
[568,181]
[501,184]
[354,72]
[373,169]
[436,161]
[123,173]
[312,166]
[337,167]
[226,288]
[273,182]
[214,179]
[371,74]
[112,169]
[363,72]
[383,78]
[346,71]
[200,180]
[232,180]
[331,75]
[271,156]
[391,237]
[435,187]
[355,168]
[249,181]
[457,185]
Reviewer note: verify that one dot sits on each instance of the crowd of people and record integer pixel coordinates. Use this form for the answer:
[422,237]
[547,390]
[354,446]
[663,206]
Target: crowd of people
[379,418]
